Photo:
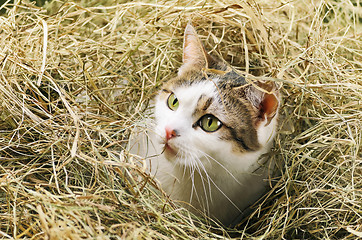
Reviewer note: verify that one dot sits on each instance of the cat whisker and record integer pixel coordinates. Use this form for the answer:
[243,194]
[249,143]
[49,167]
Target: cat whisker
[192,163]
[210,179]
[203,182]
[218,163]
[217,187]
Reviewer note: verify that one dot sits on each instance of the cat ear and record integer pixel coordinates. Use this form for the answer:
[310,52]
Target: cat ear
[265,98]
[194,53]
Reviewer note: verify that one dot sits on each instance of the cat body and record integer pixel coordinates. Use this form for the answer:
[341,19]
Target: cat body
[211,129]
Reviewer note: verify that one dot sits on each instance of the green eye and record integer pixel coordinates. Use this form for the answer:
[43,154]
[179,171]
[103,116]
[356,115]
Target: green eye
[172,102]
[209,123]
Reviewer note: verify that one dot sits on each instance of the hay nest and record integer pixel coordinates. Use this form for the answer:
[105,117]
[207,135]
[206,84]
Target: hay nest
[77,76]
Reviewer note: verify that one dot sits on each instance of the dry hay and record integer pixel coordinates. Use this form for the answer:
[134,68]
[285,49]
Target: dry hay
[77,76]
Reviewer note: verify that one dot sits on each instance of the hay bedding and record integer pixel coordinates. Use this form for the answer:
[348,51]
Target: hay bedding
[77,76]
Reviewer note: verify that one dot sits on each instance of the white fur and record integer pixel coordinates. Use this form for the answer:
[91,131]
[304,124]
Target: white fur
[206,172]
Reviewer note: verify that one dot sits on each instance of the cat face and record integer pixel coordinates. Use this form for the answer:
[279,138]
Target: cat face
[209,113]
[189,121]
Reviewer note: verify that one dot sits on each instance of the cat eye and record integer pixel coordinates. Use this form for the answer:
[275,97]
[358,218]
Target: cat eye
[209,123]
[172,102]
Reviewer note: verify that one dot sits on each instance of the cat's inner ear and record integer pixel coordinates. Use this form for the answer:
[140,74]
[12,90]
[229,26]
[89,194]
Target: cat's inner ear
[194,53]
[268,107]
[266,102]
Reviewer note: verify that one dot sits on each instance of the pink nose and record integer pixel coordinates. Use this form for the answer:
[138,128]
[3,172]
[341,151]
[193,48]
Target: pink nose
[170,133]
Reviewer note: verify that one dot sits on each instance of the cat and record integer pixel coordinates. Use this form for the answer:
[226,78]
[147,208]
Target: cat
[212,128]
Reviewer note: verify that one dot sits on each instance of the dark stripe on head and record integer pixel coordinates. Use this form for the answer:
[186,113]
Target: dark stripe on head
[207,104]
[202,105]
[166,90]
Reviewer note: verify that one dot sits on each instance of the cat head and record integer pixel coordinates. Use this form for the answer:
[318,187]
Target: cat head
[210,112]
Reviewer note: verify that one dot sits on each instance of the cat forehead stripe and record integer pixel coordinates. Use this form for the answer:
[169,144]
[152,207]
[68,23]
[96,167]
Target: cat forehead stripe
[203,104]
